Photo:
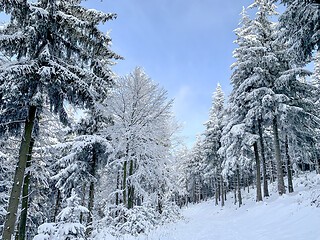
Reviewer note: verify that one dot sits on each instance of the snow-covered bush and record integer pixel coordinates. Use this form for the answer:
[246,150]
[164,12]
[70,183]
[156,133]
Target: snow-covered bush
[140,219]
[68,225]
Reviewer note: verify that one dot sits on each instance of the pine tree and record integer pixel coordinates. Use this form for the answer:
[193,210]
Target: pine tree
[196,167]
[249,87]
[299,28]
[181,165]
[212,140]
[68,225]
[57,54]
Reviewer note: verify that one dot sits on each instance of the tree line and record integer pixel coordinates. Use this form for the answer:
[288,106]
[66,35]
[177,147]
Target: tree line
[269,127]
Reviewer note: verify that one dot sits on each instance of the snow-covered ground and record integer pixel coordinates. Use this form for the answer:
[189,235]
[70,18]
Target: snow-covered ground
[294,216]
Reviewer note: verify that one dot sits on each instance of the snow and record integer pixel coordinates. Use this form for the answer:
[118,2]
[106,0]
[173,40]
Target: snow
[294,216]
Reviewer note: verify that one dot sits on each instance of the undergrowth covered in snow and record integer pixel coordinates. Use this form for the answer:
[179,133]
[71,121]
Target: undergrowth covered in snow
[294,216]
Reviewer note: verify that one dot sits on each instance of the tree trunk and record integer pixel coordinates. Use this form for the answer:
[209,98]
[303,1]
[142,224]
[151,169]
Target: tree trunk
[235,190]
[281,188]
[219,188]
[239,187]
[117,194]
[124,182]
[187,192]
[25,197]
[216,192]
[83,200]
[130,187]
[289,167]
[222,191]
[264,166]
[159,204]
[258,175]
[11,217]
[91,192]
[271,171]
[56,209]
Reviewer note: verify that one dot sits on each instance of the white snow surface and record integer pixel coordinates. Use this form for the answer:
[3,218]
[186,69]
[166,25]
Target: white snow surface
[294,216]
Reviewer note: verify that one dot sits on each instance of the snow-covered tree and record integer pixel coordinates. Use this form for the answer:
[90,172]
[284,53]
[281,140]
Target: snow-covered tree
[196,167]
[212,141]
[5,184]
[249,87]
[141,137]
[299,28]
[181,164]
[68,224]
[57,53]
[315,78]
[82,156]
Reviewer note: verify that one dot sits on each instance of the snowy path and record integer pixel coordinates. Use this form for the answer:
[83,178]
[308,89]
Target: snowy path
[278,220]
[289,217]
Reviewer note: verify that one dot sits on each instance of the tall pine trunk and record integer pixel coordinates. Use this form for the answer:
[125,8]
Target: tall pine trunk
[83,200]
[271,171]
[281,188]
[56,209]
[235,190]
[91,192]
[11,218]
[264,166]
[25,197]
[222,191]
[216,185]
[239,187]
[258,175]
[289,167]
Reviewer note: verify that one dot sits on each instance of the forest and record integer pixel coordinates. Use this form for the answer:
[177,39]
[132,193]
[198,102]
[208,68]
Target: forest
[85,153]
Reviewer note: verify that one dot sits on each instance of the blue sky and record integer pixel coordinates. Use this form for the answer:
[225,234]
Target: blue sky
[184,45]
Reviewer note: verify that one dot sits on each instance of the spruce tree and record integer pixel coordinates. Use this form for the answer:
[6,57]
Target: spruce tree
[299,28]
[212,140]
[57,54]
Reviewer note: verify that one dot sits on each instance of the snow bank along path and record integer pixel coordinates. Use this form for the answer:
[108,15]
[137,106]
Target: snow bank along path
[294,216]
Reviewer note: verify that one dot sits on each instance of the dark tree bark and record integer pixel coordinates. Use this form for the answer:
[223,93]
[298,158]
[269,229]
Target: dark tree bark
[118,187]
[56,209]
[235,190]
[216,192]
[10,221]
[124,187]
[258,175]
[271,171]
[83,200]
[91,192]
[25,197]
[222,191]
[281,188]
[239,187]
[289,167]
[264,166]
[130,187]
